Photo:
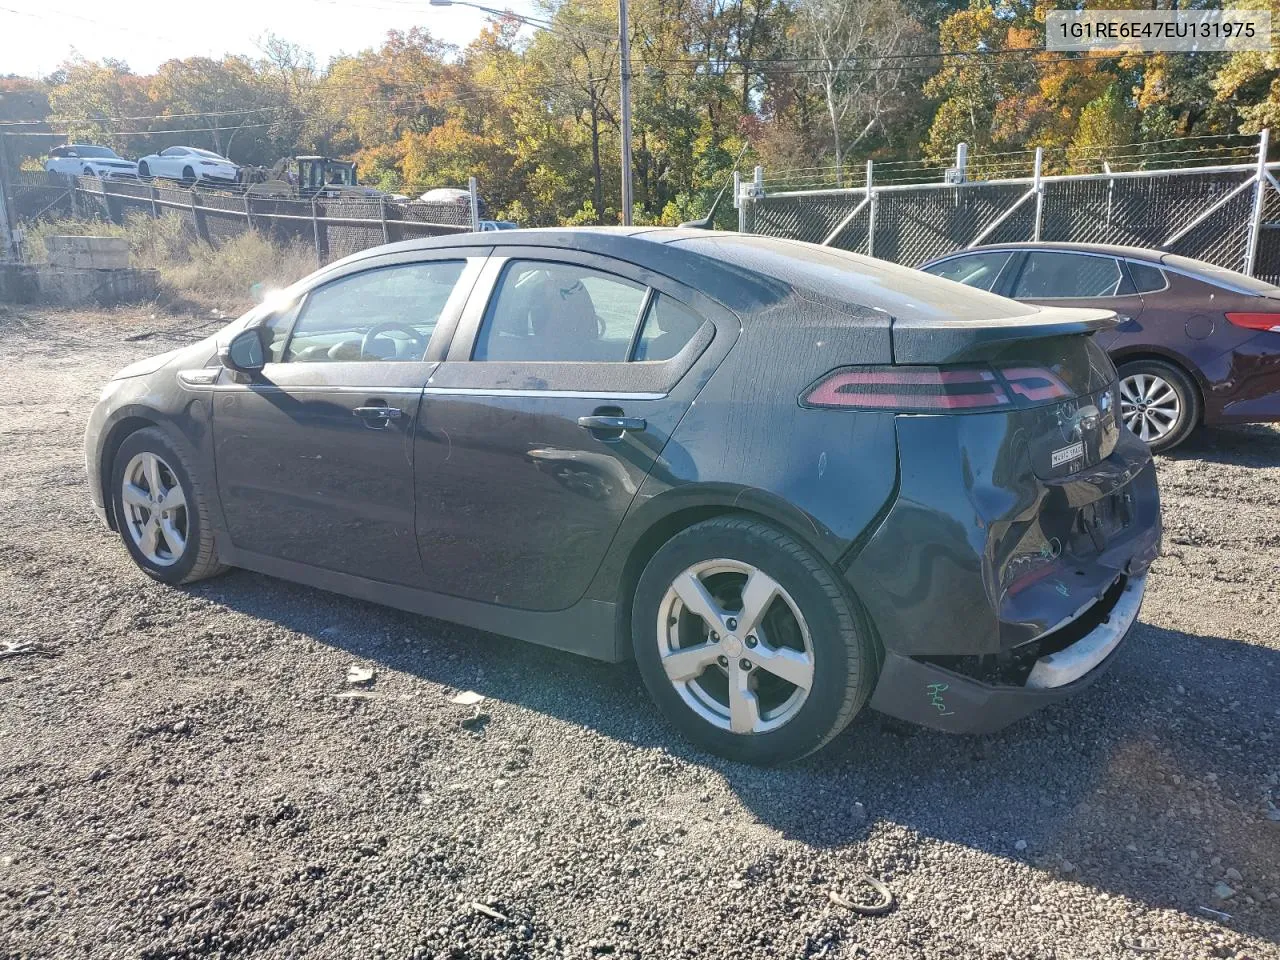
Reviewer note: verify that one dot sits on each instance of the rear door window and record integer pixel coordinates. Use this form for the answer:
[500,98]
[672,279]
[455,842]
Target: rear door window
[560,312]
[1052,276]
[979,270]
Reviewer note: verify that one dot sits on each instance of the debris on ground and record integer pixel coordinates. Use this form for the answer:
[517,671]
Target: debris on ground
[874,908]
[467,698]
[357,674]
[488,911]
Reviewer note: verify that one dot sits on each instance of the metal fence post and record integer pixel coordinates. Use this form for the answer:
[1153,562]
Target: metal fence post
[155,211]
[1259,203]
[382,215]
[737,201]
[1039,186]
[1111,186]
[475,204]
[315,231]
[871,215]
[8,243]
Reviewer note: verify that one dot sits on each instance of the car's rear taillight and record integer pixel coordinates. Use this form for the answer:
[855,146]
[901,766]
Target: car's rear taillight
[1036,384]
[920,389]
[1256,321]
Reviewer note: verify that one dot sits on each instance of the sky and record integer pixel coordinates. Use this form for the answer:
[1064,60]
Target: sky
[35,35]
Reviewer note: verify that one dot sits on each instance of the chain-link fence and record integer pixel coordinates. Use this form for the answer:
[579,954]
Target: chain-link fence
[1210,213]
[334,226]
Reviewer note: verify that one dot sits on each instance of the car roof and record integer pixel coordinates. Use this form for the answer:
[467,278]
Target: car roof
[747,272]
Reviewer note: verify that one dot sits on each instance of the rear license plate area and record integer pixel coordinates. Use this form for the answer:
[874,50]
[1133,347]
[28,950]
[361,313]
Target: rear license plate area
[1097,522]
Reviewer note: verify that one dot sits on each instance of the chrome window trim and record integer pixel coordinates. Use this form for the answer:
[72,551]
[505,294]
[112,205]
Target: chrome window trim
[558,394]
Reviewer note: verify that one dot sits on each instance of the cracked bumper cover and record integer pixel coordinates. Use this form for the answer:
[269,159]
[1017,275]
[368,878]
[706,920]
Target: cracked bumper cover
[933,696]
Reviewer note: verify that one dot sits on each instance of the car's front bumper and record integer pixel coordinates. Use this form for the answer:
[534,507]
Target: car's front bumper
[927,693]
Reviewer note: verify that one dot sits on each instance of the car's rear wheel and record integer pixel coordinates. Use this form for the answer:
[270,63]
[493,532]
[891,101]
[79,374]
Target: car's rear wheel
[749,643]
[1158,402]
[160,511]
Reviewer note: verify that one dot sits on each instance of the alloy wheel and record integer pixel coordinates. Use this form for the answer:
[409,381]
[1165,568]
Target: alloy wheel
[735,646]
[1149,405]
[155,509]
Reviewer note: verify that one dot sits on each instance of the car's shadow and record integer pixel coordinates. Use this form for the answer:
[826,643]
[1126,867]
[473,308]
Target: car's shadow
[1244,445]
[1133,787]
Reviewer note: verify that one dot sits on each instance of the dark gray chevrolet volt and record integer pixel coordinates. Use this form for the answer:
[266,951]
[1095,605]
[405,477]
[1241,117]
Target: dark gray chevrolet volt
[790,481]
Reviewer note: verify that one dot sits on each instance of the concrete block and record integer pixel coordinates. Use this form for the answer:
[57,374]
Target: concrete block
[73,286]
[88,253]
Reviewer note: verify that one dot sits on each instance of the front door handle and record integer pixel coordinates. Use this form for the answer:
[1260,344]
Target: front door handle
[612,424]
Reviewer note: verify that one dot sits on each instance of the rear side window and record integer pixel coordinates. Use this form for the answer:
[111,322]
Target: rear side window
[667,328]
[560,312]
[1146,278]
[1049,276]
[979,270]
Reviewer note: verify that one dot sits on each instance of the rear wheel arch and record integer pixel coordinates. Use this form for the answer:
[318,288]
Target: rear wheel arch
[1185,388]
[1136,354]
[662,530]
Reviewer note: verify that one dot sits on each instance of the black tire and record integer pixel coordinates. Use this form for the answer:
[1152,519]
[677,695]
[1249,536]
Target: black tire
[846,655]
[199,559]
[188,176]
[144,170]
[1188,394]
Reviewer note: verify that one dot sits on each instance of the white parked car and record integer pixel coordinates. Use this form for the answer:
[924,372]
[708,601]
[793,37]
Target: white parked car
[86,160]
[188,164]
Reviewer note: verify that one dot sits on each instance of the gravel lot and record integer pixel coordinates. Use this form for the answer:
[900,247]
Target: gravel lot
[181,776]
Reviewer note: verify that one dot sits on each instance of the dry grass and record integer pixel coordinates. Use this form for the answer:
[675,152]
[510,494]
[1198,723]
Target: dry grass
[193,273]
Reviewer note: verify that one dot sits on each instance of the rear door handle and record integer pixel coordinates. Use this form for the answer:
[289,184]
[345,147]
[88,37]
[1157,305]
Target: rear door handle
[612,424]
[375,413]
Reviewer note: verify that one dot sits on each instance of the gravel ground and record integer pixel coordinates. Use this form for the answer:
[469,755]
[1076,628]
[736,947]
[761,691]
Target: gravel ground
[184,773]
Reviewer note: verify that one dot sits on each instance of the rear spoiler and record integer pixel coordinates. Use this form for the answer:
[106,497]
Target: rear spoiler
[932,341]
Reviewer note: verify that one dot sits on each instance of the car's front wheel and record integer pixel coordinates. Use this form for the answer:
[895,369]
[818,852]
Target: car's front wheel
[1158,402]
[160,511]
[749,643]
[143,170]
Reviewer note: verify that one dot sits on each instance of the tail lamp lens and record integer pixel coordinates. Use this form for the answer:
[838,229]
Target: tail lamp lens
[920,389]
[1256,321]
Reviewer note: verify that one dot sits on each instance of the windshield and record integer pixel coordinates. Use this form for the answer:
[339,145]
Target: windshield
[102,152]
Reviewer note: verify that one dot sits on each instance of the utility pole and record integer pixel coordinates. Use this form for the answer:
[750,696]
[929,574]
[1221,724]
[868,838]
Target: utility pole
[624,55]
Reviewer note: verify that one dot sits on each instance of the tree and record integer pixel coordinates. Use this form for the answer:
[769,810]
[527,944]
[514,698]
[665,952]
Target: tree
[88,98]
[225,98]
[861,65]
[1249,81]
[24,108]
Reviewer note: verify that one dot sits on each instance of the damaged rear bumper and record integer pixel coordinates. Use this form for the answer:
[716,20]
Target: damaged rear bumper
[929,693]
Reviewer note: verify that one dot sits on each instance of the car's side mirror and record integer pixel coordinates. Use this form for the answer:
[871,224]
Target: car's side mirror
[245,352]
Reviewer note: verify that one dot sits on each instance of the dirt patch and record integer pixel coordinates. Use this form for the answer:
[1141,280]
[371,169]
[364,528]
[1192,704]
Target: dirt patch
[191,772]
